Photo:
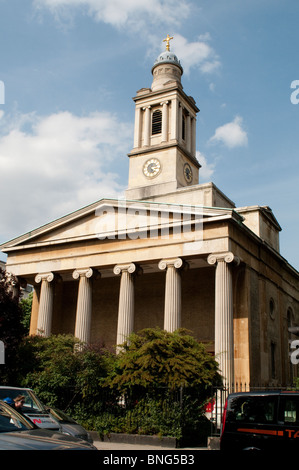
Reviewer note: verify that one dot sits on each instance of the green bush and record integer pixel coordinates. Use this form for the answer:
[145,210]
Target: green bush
[156,385]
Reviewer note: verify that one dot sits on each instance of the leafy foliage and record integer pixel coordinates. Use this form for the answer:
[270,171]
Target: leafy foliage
[12,329]
[62,374]
[157,384]
[157,358]
[26,306]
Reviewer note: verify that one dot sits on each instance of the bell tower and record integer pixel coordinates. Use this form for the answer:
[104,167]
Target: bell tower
[163,158]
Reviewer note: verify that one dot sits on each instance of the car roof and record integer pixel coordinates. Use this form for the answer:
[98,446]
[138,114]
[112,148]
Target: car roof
[264,392]
[14,388]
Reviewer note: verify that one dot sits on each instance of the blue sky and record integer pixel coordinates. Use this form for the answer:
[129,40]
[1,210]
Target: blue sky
[69,70]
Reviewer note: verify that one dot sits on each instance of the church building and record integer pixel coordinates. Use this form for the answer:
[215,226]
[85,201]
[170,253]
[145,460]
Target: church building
[172,253]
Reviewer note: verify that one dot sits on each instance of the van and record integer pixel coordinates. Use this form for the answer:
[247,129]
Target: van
[267,420]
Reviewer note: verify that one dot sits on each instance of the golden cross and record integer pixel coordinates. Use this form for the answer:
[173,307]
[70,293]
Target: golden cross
[167,42]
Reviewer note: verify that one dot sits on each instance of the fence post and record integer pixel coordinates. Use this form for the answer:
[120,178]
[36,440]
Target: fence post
[2,353]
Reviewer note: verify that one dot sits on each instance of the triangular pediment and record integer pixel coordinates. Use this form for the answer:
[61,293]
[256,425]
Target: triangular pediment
[116,219]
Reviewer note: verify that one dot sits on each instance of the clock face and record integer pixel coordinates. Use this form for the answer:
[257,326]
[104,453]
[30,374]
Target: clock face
[152,168]
[188,173]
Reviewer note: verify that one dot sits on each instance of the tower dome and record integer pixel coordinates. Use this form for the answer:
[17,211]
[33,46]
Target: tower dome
[167,68]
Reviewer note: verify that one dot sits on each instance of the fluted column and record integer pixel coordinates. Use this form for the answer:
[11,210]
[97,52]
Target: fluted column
[174,119]
[188,132]
[84,304]
[164,105]
[147,126]
[172,302]
[137,132]
[45,311]
[193,137]
[125,324]
[224,333]
[180,119]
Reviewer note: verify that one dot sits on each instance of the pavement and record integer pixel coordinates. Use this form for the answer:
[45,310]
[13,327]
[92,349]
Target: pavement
[104,445]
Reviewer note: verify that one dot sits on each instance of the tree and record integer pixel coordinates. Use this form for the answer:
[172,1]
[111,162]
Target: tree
[26,305]
[12,330]
[62,374]
[157,358]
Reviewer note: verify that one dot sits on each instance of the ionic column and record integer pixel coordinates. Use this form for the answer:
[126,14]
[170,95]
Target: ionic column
[224,333]
[180,119]
[174,119]
[188,132]
[193,136]
[125,323]
[164,121]
[45,311]
[84,304]
[147,126]
[137,128]
[172,302]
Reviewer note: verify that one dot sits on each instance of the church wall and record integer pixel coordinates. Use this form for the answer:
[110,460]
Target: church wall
[198,287]
[105,311]
[241,326]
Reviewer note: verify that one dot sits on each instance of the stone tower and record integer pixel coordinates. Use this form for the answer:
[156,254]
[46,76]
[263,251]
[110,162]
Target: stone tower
[164,155]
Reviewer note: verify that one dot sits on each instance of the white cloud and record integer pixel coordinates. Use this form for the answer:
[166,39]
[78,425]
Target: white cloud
[207,169]
[55,164]
[119,13]
[196,54]
[231,134]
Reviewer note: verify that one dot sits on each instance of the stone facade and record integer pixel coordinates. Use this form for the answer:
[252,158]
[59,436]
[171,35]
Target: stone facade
[173,254]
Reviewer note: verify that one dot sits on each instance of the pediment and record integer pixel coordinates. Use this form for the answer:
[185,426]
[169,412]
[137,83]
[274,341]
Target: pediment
[115,218]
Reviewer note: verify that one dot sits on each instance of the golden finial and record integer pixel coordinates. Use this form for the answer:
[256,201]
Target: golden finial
[168,38]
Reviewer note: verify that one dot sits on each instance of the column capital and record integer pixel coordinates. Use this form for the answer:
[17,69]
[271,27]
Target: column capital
[129,267]
[44,277]
[174,262]
[87,272]
[227,257]
[164,102]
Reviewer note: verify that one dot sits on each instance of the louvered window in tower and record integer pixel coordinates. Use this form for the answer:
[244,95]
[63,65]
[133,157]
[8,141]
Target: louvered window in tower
[157,122]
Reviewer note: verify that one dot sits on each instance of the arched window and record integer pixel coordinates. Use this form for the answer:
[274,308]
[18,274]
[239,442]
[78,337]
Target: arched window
[272,308]
[157,122]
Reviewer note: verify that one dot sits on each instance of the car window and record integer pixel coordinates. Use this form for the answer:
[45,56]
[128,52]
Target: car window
[252,409]
[31,404]
[10,421]
[289,409]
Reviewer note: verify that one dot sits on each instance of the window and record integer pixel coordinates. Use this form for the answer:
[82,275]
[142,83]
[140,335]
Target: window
[272,308]
[289,409]
[157,122]
[252,409]
[273,365]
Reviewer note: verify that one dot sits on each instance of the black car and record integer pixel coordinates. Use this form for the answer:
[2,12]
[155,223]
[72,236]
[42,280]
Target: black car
[261,421]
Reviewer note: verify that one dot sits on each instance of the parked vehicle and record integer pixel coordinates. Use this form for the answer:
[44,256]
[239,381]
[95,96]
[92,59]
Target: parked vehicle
[261,421]
[19,433]
[42,416]
[69,425]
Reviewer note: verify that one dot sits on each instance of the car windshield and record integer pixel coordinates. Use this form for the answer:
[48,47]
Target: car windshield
[31,402]
[11,421]
[61,416]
